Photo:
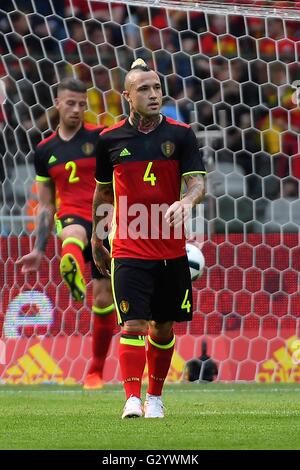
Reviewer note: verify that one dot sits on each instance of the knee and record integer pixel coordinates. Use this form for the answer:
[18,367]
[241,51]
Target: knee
[74,231]
[136,326]
[103,300]
[102,295]
[161,331]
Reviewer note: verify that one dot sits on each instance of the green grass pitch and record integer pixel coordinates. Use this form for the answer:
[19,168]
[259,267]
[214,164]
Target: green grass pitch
[198,416]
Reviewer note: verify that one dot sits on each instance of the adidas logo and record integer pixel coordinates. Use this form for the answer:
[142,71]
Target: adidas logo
[125,153]
[35,367]
[285,364]
[52,159]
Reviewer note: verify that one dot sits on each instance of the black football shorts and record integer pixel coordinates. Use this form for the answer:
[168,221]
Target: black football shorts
[159,290]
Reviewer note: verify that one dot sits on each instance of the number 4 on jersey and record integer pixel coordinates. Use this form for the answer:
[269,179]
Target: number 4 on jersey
[149,177]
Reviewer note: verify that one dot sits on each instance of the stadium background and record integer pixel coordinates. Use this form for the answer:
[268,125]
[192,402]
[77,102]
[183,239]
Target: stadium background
[233,77]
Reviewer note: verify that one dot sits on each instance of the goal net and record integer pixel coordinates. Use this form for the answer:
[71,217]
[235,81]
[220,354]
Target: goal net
[231,71]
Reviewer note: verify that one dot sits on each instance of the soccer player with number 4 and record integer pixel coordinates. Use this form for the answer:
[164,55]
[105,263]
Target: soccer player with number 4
[65,166]
[141,164]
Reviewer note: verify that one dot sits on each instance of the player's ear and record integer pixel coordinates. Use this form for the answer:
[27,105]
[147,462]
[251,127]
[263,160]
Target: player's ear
[56,102]
[126,96]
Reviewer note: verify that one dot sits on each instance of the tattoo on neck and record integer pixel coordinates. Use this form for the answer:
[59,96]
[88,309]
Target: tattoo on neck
[144,124]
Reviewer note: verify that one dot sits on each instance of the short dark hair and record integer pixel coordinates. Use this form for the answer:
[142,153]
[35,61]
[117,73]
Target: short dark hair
[72,84]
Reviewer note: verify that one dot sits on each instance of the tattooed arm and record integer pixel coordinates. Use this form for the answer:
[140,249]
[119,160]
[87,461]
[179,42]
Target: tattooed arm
[46,211]
[179,211]
[195,189]
[102,205]
[45,217]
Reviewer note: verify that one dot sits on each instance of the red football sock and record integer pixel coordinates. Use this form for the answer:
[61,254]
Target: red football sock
[159,358]
[74,249]
[132,358]
[103,328]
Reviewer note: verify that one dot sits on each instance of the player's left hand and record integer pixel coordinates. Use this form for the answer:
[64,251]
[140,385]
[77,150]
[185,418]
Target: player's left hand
[194,240]
[101,258]
[177,214]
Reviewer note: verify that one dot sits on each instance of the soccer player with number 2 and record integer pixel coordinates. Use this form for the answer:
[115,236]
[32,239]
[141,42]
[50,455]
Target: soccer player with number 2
[65,166]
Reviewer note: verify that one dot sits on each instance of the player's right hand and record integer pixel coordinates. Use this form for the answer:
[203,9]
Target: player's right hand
[101,258]
[31,262]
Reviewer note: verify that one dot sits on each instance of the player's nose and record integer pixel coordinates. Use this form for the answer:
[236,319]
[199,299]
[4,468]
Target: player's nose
[153,93]
[76,108]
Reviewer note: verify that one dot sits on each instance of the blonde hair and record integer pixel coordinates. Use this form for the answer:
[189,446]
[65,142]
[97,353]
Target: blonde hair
[139,63]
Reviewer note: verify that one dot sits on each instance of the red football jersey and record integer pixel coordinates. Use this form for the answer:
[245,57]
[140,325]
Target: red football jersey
[71,165]
[146,170]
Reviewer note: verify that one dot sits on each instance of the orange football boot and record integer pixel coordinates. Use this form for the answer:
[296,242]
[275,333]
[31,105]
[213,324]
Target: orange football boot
[93,382]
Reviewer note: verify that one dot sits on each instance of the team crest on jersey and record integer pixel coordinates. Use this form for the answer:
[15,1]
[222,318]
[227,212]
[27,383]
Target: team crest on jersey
[168,148]
[124,306]
[88,148]
[69,220]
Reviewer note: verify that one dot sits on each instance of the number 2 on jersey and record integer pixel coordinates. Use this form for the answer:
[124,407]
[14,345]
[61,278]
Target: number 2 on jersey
[149,177]
[73,167]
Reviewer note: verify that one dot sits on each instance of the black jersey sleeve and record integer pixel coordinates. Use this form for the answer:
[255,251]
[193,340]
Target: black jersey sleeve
[104,168]
[40,166]
[190,156]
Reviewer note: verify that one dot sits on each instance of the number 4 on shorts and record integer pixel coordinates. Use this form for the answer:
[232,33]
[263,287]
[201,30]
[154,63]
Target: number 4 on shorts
[186,304]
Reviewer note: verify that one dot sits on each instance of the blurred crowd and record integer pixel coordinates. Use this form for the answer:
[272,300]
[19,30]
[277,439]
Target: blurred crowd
[234,78]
